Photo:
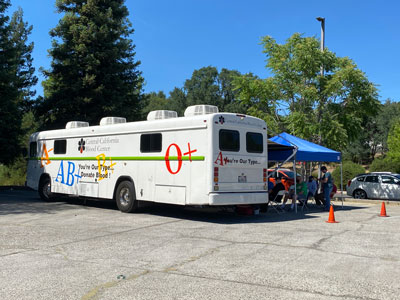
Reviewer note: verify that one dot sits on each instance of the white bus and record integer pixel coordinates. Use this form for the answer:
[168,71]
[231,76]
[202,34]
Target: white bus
[203,158]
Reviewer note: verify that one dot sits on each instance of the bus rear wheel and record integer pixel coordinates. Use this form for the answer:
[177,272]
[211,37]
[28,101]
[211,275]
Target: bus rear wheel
[125,197]
[45,189]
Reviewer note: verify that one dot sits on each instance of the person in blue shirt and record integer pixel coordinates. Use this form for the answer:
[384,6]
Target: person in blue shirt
[270,186]
[312,187]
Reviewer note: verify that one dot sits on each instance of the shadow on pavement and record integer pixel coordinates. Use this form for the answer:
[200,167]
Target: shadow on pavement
[28,202]
[227,216]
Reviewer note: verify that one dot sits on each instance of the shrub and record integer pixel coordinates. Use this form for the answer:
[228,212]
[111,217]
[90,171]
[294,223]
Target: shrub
[386,164]
[13,174]
[350,170]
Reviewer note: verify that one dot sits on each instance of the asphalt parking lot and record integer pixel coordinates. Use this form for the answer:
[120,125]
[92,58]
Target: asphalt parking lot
[67,250]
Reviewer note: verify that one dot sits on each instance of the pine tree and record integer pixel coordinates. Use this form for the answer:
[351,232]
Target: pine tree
[93,71]
[16,79]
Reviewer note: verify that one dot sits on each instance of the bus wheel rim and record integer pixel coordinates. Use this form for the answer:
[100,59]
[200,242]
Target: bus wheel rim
[124,196]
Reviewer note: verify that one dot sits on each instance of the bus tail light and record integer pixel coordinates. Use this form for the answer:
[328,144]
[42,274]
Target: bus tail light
[216,171]
[265,178]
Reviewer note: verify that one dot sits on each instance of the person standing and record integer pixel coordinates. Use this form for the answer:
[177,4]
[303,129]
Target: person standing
[326,181]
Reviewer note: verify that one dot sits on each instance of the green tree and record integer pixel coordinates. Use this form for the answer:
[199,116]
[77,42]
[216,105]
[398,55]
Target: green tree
[385,164]
[16,80]
[391,161]
[154,101]
[326,109]
[208,86]
[387,117]
[350,170]
[178,101]
[202,87]
[259,98]
[205,86]
[393,143]
[373,138]
[93,71]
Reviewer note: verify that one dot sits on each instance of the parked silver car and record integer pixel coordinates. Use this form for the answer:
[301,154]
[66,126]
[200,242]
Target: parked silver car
[378,185]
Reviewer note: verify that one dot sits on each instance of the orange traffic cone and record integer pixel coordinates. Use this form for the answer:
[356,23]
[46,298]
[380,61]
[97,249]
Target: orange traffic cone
[383,210]
[331,216]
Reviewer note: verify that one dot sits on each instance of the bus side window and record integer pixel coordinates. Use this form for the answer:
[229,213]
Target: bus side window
[151,142]
[33,149]
[229,140]
[254,142]
[60,146]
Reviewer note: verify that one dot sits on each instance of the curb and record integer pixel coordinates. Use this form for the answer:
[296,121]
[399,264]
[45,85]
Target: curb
[366,201]
[14,188]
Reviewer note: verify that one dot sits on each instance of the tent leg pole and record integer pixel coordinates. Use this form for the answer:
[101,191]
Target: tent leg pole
[319,177]
[295,189]
[341,179]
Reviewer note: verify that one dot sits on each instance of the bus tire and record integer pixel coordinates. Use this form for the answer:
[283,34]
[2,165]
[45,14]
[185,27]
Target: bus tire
[45,189]
[125,197]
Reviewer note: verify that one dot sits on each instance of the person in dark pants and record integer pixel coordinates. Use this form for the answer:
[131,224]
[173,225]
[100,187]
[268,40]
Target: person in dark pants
[312,187]
[319,198]
[272,192]
[278,187]
[327,184]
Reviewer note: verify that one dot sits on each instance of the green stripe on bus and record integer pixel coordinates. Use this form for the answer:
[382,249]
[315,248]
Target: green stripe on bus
[157,158]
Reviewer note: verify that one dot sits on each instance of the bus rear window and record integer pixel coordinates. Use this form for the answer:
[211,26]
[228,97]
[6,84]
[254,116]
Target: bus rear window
[229,140]
[254,142]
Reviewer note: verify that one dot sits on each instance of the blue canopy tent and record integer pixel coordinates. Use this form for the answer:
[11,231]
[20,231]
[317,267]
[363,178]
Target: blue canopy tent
[303,151]
[306,151]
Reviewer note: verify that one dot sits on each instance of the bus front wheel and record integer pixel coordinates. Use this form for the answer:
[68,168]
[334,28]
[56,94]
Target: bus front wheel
[45,189]
[125,197]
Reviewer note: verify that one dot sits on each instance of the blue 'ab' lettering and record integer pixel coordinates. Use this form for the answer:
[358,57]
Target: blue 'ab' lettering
[61,173]
[70,174]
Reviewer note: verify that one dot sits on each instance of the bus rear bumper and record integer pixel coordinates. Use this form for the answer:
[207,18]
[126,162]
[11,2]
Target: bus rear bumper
[238,198]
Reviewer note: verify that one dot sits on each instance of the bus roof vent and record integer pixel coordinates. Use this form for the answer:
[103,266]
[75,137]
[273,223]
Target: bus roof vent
[161,114]
[76,124]
[111,120]
[196,110]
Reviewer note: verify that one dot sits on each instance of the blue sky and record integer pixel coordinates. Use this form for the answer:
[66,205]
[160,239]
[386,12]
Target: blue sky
[173,38]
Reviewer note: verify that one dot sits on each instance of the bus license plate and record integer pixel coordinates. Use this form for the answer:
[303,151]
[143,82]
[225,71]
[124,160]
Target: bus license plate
[242,179]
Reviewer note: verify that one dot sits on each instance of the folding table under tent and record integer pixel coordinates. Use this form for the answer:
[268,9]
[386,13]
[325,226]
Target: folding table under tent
[303,151]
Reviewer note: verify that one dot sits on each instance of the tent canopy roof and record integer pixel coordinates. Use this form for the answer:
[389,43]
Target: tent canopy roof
[306,151]
[274,146]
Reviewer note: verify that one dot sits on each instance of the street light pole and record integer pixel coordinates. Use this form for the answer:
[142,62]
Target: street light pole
[322,20]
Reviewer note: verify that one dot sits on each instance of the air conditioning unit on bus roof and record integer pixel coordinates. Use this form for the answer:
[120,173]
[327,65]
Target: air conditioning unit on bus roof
[76,124]
[111,120]
[197,110]
[161,114]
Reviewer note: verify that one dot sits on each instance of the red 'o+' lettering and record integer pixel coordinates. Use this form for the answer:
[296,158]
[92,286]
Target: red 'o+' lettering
[178,150]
